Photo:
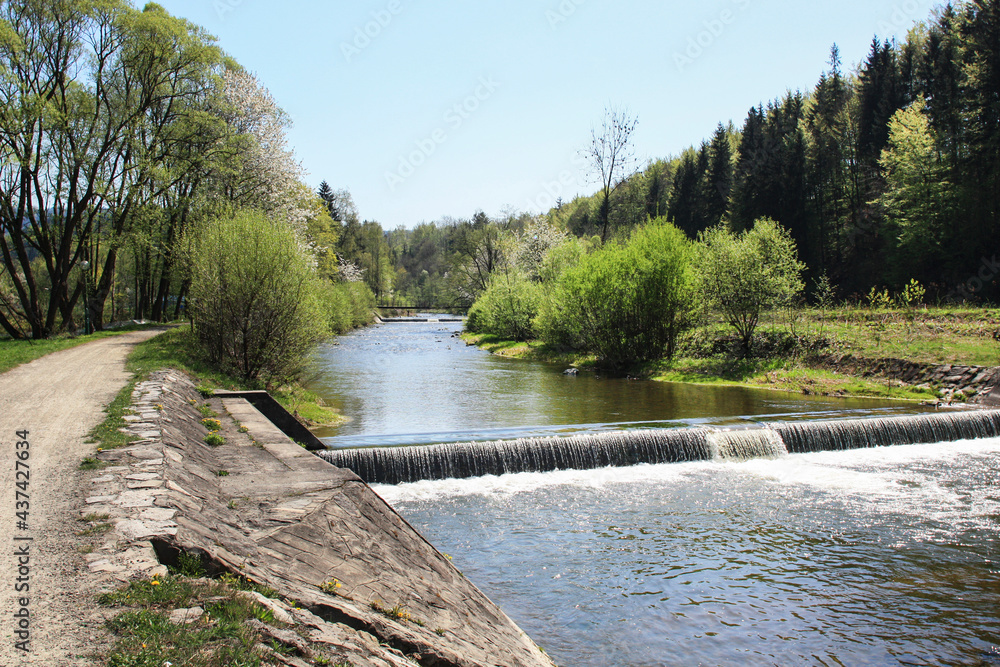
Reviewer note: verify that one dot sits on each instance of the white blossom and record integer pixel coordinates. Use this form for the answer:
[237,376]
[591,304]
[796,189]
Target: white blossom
[268,176]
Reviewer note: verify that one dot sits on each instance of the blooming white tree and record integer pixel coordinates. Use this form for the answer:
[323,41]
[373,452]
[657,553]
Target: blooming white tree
[267,176]
[529,248]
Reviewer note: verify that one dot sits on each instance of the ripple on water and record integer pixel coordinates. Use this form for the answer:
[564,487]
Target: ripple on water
[869,557]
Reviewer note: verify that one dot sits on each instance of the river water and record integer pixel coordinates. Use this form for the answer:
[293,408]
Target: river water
[408,384]
[873,557]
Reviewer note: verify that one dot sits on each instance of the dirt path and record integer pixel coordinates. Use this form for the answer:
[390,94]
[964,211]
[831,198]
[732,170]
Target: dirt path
[58,399]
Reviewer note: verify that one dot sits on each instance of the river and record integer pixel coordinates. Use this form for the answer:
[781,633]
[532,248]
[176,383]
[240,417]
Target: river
[875,557]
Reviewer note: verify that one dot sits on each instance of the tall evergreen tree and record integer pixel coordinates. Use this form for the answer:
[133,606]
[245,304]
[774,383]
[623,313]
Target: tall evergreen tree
[826,128]
[719,175]
[981,63]
[745,196]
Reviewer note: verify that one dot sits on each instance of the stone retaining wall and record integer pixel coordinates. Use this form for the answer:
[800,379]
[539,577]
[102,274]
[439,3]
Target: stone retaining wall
[974,383]
[264,508]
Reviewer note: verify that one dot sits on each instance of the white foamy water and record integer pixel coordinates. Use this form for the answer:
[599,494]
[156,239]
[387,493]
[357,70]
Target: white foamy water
[883,556]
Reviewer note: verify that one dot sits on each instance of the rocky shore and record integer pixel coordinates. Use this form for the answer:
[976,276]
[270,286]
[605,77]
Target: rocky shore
[952,382]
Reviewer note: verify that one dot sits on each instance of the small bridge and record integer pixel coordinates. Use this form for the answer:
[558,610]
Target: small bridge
[424,308]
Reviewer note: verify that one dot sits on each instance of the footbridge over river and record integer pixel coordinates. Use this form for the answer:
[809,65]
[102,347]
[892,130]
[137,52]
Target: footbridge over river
[447,313]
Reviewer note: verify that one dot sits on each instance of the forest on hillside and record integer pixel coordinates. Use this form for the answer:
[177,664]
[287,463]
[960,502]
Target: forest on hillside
[883,173]
[125,134]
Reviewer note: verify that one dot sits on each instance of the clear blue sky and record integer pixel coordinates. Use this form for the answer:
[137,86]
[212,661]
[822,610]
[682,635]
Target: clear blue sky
[377,114]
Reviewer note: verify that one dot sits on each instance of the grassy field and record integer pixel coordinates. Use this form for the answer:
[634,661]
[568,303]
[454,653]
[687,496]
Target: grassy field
[789,345]
[966,336]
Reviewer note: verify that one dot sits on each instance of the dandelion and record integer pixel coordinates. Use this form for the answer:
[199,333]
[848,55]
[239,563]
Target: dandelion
[154,583]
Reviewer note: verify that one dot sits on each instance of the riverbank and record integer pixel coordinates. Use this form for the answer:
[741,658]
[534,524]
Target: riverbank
[176,349]
[306,565]
[927,355]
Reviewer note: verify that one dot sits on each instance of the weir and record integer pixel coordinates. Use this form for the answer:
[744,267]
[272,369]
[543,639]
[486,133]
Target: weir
[396,465]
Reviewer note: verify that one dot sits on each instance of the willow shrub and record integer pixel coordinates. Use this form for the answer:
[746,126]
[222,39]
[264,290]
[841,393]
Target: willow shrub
[256,299]
[626,303]
[348,305]
[507,308]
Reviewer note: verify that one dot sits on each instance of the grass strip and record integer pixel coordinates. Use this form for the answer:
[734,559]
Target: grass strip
[177,349]
[14,353]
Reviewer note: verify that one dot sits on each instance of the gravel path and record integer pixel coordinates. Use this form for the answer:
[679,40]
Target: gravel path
[58,399]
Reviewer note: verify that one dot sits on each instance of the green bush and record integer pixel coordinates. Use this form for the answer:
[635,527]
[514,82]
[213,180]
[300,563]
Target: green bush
[744,275]
[507,307]
[255,298]
[347,305]
[626,303]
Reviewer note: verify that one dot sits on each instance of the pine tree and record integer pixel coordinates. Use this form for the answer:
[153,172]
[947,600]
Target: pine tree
[329,198]
[719,177]
[745,204]
[980,30]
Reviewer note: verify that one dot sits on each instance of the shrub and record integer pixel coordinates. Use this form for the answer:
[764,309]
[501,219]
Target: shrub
[347,305]
[507,307]
[743,275]
[255,297]
[626,303]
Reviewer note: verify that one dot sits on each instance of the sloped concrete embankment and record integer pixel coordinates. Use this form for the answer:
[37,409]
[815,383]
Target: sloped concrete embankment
[264,508]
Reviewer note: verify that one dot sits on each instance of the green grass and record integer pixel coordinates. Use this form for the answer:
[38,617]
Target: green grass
[14,353]
[220,638]
[964,336]
[176,349]
[532,350]
[97,529]
[789,342]
[108,434]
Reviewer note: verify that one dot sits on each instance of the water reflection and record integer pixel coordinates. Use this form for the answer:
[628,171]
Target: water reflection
[420,384]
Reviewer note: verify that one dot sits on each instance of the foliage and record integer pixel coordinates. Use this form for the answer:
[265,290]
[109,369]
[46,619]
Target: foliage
[885,174]
[917,199]
[347,305]
[626,303]
[100,104]
[507,307]
[266,176]
[744,275]
[146,638]
[256,300]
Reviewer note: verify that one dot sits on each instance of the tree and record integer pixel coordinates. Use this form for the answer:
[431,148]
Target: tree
[744,275]
[826,128]
[612,157]
[339,203]
[719,177]
[626,303]
[95,100]
[480,250]
[918,199]
[267,176]
[256,303]
[507,307]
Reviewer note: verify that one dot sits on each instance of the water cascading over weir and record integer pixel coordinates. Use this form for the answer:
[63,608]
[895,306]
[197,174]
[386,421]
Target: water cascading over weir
[396,465]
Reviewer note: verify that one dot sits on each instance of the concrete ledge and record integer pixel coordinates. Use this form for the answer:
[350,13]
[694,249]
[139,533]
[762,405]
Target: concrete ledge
[263,507]
[278,416]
